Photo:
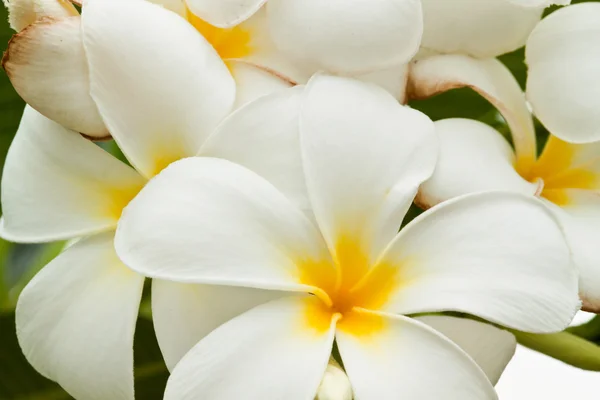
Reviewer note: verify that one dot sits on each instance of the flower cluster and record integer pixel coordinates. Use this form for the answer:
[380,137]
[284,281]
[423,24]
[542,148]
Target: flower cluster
[269,161]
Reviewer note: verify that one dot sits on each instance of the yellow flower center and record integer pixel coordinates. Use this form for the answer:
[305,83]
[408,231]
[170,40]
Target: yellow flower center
[351,287]
[562,166]
[230,43]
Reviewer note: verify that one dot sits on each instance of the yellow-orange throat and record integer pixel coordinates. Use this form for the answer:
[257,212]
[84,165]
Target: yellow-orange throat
[230,43]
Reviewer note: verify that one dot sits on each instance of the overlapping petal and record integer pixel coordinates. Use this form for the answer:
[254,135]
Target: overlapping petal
[58,185]
[408,359]
[208,220]
[499,256]
[176,97]
[263,137]
[364,158]
[480,29]
[488,77]
[224,13]
[253,82]
[274,340]
[563,55]
[76,318]
[343,36]
[474,157]
[183,314]
[47,66]
[490,347]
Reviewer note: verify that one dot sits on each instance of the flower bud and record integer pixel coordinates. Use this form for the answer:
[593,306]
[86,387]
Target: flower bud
[335,384]
[22,13]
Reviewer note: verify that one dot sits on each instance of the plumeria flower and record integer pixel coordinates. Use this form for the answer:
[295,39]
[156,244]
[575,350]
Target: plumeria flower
[563,55]
[339,36]
[76,318]
[49,64]
[474,157]
[295,282]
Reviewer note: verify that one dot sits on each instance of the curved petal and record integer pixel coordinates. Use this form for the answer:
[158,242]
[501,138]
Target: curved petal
[161,93]
[22,13]
[407,359]
[225,13]
[273,341]
[474,157]
[177,6]
[581,221]
[76,318]
[253,82]
[358,143]
[47,66]
[477,28]
[183,314]
[394,80]
[58,185]
[344,36]
[207,220]
[492,80]
[497,255]
[563,55]
[263,137]
[491,348]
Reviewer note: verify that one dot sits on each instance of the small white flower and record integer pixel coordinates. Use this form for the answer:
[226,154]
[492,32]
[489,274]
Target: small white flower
[291,282]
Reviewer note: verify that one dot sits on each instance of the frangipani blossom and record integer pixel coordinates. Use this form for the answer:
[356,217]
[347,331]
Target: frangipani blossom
[563,55]
[337,36]
[474,158]
[75,319]
[297,282]
[50,65]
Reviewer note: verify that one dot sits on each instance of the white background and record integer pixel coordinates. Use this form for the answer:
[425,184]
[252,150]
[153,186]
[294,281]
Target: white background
[534,376]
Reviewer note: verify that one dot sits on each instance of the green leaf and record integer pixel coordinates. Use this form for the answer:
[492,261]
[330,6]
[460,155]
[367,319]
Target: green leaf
[564,346]
[19,381]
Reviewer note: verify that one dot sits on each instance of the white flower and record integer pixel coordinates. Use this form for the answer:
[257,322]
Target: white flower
[50,65]
[276,285]
[75,319]
[563,55]
[337,36]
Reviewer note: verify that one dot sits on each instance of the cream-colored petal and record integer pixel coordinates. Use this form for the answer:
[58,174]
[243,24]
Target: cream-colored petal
[76,318]
[22,13]
[47,65]
[58,185]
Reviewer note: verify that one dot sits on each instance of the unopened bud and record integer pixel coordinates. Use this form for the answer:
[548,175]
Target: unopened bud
[335,384]
[22,13]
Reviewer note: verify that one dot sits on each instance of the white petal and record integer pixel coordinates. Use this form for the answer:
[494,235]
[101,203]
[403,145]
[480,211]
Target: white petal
[161,93]
[185,313]
[207,220]
[344,36]
[58,185]
[407,359]
[474,157]
[76,318]
[365,156]
[25,12]
[491,348]
[224,13]
[491,79]
[177,6]
[581,221]
[46,64]
[480,29]
[253,82]
[394,80]
[269,352]
[563,55]
[263,137]
[497,255]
